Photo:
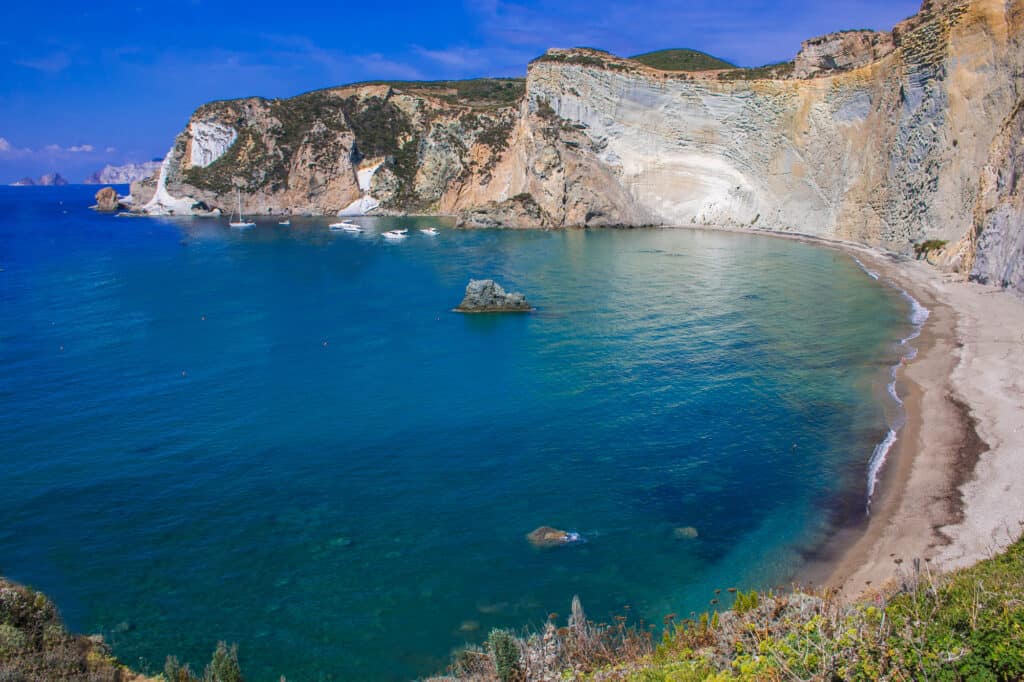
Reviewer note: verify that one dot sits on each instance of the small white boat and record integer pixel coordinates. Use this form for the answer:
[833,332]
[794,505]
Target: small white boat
[241,223]
[432,231]
[345,226]
[286,222]
[396,234]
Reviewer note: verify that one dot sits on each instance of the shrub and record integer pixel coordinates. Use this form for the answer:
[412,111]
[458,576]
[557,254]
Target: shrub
[923,249]
[224,665]
[505,652]
[746,602]
[12,641]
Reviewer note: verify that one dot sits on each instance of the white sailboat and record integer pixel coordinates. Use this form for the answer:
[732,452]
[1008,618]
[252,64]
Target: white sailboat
[241,222]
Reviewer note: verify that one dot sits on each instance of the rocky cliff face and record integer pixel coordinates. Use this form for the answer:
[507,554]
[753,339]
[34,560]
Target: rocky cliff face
[123,175]
[891,139]
[995,246]
[386,147]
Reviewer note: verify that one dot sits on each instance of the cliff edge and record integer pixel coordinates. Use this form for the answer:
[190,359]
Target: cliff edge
[890,139]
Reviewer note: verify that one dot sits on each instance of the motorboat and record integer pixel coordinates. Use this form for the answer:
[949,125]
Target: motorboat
[396,234]
[432,231]
[345,226]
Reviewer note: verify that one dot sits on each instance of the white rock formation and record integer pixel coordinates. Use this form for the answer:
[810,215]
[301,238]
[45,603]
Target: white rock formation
[209,141]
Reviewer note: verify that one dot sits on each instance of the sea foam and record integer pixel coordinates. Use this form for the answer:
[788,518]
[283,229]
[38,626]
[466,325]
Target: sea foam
[918,316]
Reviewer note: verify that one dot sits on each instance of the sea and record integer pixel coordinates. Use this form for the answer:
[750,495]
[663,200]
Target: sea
[285,438]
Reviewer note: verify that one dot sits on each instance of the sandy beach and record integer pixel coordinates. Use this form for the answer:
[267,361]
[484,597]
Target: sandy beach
[951,492]
[952,489]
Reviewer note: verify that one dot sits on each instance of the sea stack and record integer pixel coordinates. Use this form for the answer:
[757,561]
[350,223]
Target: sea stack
[107,200]
[546,537]
[487,296]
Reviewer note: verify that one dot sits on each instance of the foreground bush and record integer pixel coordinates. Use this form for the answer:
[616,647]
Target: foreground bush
[36,647]
[968,625]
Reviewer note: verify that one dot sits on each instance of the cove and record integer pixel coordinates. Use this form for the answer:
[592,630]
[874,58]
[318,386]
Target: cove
[284,437]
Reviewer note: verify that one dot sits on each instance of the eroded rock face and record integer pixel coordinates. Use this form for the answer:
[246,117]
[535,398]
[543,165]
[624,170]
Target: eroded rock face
[882,141]
[487,296]
[107,200]
[841,51]
[998,236]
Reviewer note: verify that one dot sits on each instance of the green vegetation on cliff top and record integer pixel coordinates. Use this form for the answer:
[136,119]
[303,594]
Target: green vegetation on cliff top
[682,59]
[477,92]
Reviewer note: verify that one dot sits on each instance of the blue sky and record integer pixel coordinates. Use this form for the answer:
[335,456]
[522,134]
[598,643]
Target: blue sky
[83,84]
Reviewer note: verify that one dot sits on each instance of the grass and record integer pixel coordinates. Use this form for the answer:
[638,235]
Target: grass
[682,60]
[968,625]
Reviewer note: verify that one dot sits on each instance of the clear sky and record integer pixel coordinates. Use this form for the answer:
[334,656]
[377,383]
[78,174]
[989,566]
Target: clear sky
[87,83]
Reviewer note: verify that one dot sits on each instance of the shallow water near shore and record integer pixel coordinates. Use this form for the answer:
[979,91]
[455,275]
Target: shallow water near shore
[284,437]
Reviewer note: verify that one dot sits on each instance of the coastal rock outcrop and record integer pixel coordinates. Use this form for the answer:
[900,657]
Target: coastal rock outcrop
[546,537]
[873,137]
[841,51]
[51,180]
[107,200]
[487,296]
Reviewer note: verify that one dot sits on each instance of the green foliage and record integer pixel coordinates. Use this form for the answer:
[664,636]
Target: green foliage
[504,648]
[12,641]
[176,672]
[923,249]
[767,72]
[35,646]
[224,665]
[545,110]
[377,124]
[966,626]
[746,602]
[598,59]
[478,93]
[682,60]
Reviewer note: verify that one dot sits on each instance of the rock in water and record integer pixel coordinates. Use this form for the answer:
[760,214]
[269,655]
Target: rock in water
[487,296]
[546,536]
[106,199]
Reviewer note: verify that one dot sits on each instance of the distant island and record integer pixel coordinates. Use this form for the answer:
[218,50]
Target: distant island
[48,180]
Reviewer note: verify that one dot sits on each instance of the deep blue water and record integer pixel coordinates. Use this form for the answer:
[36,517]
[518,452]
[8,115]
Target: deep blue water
[284,438]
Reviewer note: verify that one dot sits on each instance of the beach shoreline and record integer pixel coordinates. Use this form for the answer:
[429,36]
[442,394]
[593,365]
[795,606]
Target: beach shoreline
[949,492]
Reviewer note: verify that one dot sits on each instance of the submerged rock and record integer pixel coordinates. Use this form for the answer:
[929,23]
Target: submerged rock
[107,200]
[487,296]
[687,533]
[546,536]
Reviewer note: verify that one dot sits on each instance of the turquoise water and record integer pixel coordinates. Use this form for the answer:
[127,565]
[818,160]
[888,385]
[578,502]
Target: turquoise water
[284,438]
